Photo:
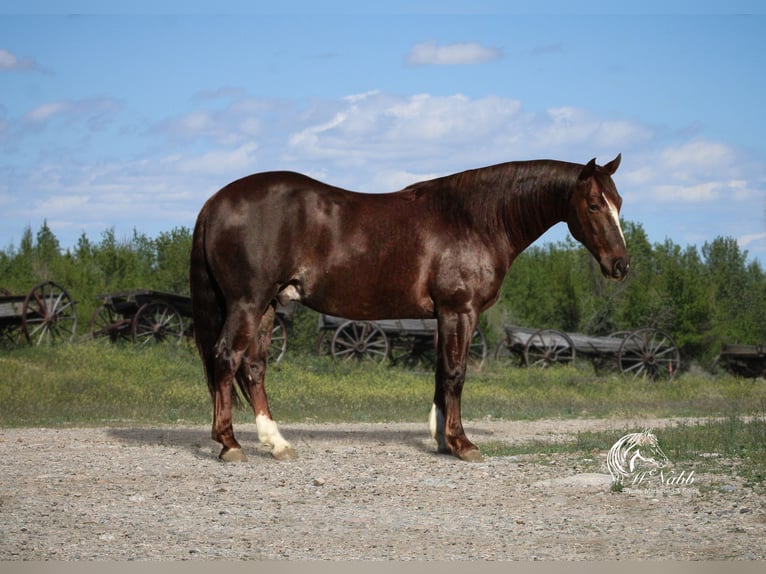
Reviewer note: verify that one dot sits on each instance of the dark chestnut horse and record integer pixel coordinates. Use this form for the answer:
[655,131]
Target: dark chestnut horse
[438,248]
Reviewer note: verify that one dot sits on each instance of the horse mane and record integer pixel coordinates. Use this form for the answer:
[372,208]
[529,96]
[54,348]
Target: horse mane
[520,199]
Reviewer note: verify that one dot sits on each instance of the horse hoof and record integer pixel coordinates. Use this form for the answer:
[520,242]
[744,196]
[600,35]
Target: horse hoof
[285,454]
[232,455]
[471,455]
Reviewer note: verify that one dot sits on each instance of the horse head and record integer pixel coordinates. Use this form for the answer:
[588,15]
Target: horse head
[594,218]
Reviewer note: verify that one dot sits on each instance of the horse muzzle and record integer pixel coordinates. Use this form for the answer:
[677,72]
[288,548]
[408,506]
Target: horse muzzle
[618,270]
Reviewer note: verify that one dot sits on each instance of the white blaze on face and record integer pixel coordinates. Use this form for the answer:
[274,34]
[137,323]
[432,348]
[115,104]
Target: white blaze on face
[615,215]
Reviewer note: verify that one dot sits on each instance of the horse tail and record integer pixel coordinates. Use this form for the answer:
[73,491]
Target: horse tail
[208,306]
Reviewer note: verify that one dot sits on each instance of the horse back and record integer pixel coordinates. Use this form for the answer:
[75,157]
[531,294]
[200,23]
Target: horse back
[332,246]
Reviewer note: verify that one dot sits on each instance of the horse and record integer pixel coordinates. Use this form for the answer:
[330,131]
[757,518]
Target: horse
[436,249]
[632,453]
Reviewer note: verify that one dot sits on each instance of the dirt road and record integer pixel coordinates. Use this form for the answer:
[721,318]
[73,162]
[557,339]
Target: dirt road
[361,491]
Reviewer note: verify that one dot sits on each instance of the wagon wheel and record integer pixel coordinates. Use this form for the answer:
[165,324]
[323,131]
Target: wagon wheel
[413,350]
[323,343]
[105,323]
[619,334]
[11,336]
[506,356]
[649,353]
[156,323]
[278,345]
[547,347]
[48,315]
[477,352]
[359,340]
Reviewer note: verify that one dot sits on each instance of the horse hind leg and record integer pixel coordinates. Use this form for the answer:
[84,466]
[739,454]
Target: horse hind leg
[251,378]
[228,356]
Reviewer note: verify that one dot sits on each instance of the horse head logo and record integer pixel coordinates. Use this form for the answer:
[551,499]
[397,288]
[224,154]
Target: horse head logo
[635,453]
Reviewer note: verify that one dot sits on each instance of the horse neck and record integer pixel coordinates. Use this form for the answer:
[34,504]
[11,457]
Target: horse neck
[518,201]
[534,198]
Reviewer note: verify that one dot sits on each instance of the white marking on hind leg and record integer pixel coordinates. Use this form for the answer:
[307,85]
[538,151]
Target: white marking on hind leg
[436,424]
[269,434]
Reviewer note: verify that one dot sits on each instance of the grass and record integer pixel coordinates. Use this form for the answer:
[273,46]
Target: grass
[96,383]
[709,445]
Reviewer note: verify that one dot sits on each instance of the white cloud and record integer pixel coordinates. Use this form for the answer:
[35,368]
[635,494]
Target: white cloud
[431,53]
[423,133]
[372,141]
[45,112]
[702,192]
[238,121]
[9,61]
[689,160]
[93,113]
[746,240]
[570,126]
[240,160]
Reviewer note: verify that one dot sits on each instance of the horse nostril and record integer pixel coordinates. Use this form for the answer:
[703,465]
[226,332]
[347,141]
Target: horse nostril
[620,268]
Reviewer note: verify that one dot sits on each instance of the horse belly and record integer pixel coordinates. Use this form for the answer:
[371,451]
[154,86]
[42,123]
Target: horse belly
[365,293]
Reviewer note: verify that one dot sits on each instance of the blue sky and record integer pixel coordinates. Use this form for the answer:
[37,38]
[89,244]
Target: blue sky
[130,117]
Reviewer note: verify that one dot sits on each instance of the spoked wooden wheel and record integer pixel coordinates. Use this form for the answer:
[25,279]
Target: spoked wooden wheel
[11,336]
[156,323]
[649,353]
[48,315]
[548,347]
[359,340]
[506,356]
[477,352]
[104,323]
[278,345]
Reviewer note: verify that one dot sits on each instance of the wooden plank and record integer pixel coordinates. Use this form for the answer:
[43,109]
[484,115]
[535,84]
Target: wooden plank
[11,306]
[737,350]
[583,344]
[402,327]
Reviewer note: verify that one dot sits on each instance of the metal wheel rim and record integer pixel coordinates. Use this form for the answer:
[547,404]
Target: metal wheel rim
[105,324]
[505,355]
[49,315]
[649,353]
[278,345]
[156,323]
[359,340]
[477,351]
[558,349]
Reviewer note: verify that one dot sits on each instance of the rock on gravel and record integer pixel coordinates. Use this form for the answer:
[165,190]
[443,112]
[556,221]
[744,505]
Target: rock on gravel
[361,491]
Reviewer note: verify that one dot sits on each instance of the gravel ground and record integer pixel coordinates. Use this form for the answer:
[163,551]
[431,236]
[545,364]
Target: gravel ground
[357,491]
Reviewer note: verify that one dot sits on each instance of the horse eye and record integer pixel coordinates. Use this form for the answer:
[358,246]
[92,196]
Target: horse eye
[593,207]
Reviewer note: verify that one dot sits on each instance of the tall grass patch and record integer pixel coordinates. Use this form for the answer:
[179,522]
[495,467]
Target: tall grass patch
[98,383]
[94,383]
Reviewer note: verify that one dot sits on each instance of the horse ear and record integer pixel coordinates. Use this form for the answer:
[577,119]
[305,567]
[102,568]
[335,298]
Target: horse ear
[612,166]
[588,170]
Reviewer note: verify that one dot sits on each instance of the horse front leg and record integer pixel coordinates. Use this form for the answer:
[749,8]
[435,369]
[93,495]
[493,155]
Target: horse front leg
[254,368]
[445,422]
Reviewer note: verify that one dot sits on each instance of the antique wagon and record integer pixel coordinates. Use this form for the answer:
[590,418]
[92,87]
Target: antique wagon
[742,360]
[645,352]
[401,341]
[146,317]
[46,314]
